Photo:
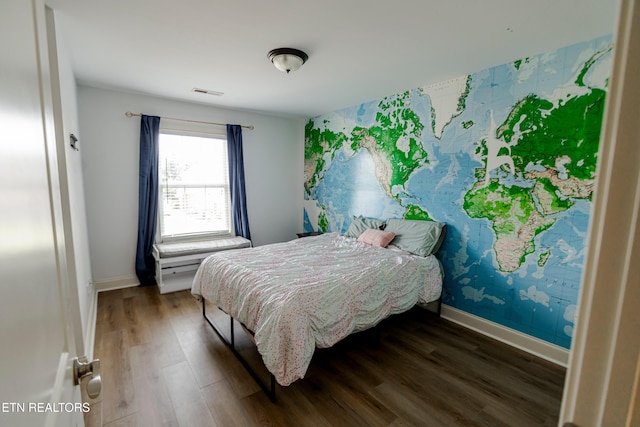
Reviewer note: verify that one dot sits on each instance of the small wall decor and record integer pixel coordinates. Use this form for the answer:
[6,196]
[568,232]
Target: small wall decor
[73,141]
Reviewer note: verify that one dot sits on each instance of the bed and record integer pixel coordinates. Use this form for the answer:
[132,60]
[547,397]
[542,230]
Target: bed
[313,292]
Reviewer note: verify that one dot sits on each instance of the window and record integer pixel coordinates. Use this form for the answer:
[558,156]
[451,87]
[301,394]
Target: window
[193,186]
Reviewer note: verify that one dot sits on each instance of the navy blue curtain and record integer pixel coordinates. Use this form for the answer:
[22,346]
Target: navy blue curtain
[236,182]
[147,199]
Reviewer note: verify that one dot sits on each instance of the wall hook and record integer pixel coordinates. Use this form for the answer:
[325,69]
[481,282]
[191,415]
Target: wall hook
[73,142]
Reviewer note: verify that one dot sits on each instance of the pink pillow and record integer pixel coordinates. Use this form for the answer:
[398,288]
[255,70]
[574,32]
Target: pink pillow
[376,237]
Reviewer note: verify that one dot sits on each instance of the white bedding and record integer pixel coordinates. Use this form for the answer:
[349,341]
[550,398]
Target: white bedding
[313,292]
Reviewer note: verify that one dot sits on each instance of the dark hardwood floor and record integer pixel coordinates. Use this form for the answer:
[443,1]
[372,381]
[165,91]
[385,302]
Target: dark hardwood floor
[162,365]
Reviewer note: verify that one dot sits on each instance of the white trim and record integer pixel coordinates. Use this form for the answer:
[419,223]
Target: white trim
[532,345]
[92,318]
[600,383]
[116,283]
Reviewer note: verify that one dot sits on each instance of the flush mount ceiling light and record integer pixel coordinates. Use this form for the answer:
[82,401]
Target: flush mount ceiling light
[287,59]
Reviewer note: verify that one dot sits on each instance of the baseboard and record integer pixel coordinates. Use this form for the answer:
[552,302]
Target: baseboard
[106,285]
[116,283]
[532,345]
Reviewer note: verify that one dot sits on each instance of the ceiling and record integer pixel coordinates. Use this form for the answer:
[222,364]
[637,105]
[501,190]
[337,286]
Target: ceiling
[359,50]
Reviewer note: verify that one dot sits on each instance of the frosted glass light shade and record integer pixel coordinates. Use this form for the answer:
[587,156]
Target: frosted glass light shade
[287,59]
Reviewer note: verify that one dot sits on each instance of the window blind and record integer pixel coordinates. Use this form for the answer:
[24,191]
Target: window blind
[193,187]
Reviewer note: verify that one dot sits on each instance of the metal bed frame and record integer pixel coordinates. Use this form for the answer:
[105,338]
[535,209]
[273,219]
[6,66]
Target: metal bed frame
[270,390]
[231,343]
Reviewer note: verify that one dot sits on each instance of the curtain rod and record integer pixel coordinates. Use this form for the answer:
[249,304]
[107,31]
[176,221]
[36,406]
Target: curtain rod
[130,114]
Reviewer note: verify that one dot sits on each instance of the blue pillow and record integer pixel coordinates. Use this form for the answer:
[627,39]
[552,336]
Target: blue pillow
[418,237]
[359,225]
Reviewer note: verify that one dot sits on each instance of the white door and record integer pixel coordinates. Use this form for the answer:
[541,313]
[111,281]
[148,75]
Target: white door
[36,336]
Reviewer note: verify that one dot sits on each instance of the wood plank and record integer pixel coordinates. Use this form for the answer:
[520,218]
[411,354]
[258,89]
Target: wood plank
[164,365]
[132,322]
[155,407]
[442,393]
[189,405]
[225,407]
[410,407]
[155,327]
[342,403]
[204,358]
[129,421]
[118,396]
[263,412]
[301,408]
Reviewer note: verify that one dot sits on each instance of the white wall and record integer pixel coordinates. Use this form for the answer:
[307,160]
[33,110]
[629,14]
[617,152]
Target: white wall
[273,155]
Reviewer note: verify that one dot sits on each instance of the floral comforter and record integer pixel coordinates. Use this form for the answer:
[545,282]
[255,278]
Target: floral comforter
[313,292]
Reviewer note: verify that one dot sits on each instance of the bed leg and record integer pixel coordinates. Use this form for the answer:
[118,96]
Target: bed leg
[233,334]
[272,393]
[269,391]
[377,336]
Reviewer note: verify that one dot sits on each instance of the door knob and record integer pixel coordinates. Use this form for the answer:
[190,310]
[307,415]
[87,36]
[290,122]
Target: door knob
[82,368]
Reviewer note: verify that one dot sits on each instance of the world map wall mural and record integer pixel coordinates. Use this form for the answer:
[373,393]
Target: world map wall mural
[506,157]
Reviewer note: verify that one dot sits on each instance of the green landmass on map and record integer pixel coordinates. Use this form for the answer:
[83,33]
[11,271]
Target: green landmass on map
[416,212]
[394,141]
[560,140]
[514,219]
[571,130]
[317,144]
[543,258]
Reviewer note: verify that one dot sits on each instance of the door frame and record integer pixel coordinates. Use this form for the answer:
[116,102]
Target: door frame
[603,377]
[66,221]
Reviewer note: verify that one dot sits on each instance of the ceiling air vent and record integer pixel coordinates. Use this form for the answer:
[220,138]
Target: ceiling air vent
[207,92]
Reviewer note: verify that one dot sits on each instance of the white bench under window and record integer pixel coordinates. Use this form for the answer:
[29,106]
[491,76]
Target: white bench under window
[177,262]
